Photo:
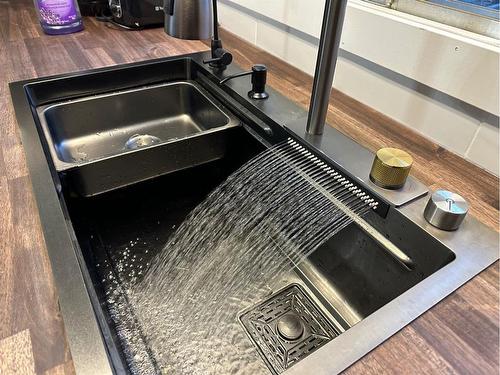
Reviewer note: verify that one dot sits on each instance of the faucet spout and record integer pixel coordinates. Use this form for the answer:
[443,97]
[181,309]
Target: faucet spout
[333,20]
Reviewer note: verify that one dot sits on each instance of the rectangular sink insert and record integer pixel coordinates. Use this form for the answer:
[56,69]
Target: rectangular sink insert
[100,126]
[152,130]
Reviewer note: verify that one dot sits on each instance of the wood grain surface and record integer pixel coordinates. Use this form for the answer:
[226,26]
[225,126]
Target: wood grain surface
[460,335]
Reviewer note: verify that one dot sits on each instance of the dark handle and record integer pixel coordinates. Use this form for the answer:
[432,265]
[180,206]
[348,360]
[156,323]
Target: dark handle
[213,60]
[220,57]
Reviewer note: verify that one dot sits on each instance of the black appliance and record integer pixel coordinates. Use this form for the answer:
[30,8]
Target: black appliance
[97,8]
[137,14]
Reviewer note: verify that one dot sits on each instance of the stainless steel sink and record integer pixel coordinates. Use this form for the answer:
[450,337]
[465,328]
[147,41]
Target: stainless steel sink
[92,132]
[126,152]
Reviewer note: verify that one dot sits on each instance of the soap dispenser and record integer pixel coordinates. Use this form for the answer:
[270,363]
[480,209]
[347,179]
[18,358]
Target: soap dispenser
[59,16]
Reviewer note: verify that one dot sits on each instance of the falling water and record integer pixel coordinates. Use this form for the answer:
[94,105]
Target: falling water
[230,253]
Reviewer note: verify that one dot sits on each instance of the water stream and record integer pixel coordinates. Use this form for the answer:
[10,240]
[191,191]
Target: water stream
[231,252]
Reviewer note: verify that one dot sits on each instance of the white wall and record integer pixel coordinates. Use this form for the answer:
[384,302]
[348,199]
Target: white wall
[442,84]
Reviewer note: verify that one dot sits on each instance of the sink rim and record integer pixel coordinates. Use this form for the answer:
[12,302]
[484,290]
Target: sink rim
[62,165]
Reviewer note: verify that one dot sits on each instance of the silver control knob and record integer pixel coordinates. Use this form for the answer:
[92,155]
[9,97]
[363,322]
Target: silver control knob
[446,210]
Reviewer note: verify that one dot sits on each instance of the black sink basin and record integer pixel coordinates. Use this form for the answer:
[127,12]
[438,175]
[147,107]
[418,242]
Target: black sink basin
[357,276]
[351,275]
[120,191]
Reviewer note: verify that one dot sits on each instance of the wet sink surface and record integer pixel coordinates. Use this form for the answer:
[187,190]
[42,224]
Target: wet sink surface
[348,278]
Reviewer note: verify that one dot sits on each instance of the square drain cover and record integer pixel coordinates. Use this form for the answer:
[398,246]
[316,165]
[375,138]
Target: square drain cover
[287,327]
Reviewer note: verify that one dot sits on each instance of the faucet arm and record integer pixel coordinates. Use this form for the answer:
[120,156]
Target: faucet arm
[216,20]
[220,57]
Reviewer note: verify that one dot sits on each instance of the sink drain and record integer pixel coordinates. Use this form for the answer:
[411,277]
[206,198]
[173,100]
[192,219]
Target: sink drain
[286,328]
[290,327]
[141,140]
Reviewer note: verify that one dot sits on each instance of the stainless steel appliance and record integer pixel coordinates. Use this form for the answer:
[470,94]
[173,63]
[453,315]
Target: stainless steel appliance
[189,19]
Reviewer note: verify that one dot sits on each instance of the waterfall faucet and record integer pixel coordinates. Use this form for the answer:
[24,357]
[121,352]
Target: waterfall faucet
[331,31]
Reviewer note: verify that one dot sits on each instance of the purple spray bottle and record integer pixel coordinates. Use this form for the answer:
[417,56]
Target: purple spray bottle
[59,16]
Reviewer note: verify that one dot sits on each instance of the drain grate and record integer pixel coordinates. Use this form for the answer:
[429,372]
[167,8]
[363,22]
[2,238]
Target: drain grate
[286,328]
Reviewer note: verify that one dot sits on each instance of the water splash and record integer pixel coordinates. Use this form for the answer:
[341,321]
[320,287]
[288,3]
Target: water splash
[227,255]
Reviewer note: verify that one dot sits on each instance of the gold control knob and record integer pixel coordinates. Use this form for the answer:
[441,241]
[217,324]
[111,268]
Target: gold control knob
[391,168]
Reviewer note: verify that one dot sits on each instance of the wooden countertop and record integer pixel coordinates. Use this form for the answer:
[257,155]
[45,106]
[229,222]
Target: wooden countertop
[459,335]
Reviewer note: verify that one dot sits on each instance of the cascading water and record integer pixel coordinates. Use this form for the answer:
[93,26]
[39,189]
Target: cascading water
[254,228]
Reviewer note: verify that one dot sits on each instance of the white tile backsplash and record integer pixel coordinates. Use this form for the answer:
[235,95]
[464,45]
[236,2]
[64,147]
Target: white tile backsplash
[238,23]
[302,15]
[484,148]
[289,48]
[445,125]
